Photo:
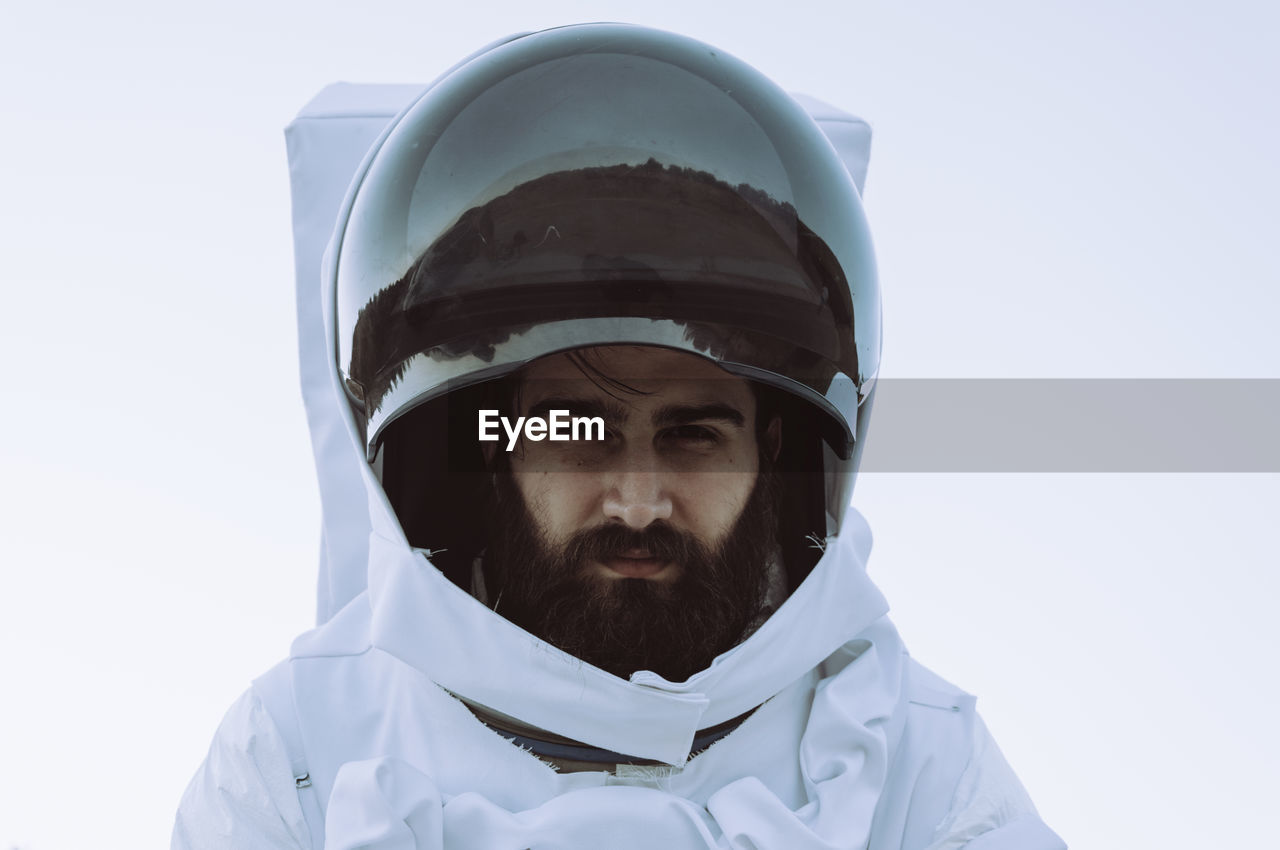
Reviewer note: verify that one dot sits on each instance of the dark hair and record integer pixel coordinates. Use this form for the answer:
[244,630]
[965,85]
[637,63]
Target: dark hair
[504,395]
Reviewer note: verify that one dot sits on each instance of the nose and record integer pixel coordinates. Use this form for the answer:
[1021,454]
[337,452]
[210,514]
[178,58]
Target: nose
[638,497]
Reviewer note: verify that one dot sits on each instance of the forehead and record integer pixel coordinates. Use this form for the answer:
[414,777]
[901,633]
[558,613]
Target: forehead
[639,376]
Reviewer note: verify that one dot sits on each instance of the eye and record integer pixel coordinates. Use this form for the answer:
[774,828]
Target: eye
[692,436]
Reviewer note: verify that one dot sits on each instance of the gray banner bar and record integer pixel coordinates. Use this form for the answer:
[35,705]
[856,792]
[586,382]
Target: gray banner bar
[1074,425]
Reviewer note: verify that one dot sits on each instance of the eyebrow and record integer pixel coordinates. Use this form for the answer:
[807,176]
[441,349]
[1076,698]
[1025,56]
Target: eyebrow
[665,417]
[683,414]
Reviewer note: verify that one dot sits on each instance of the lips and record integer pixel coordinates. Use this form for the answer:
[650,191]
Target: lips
[636,563]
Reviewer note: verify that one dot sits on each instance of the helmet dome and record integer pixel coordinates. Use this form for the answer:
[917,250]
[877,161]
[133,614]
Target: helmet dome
[606,184]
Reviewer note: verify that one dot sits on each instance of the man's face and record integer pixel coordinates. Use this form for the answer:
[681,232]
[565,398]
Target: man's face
[648,549]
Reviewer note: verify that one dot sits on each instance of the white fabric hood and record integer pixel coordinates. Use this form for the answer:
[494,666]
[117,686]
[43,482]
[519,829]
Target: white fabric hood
[421,617]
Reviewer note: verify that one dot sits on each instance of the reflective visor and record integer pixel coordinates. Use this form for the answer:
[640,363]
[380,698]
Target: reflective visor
[605,184]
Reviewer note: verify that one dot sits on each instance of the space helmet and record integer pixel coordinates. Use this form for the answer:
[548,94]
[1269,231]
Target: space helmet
[608,184]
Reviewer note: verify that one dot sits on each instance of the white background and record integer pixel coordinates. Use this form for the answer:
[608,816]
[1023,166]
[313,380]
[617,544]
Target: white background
[1080,189]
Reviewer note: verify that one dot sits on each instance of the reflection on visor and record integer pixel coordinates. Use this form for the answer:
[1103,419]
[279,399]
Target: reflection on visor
[597,185]
[751,283]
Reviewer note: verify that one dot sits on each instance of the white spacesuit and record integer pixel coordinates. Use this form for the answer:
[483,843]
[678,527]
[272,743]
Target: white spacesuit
[415,716]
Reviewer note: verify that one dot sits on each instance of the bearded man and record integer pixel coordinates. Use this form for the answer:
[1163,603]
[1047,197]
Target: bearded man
[656,633]
[652,553]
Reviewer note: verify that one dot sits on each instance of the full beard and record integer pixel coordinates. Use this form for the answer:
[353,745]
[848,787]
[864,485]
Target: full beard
[673,628]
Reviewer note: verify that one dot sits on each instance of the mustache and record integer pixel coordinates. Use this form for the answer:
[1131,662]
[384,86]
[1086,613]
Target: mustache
[663,542]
